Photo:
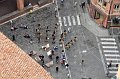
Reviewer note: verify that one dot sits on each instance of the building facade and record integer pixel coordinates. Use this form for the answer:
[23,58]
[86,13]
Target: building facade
[105,12]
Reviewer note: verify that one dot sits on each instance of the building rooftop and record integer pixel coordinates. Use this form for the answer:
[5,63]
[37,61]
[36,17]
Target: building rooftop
[16,64]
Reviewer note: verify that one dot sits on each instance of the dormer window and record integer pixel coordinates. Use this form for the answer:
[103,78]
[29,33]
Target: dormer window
[116,6]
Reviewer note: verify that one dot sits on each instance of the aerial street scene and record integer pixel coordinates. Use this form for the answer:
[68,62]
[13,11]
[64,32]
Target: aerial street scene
[59,39]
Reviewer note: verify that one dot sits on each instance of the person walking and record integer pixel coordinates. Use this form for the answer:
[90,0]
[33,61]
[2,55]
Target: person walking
[82,62]
[66,65]
[13,37]
[57,68]
[75,4]
[75,39]
[83,5]
[109,64]
[69,29]
[57,59]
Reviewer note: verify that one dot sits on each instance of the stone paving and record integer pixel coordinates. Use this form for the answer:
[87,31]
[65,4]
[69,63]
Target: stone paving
[37,21]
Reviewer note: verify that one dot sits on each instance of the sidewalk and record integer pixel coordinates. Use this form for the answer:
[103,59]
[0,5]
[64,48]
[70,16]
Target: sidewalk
[92,26]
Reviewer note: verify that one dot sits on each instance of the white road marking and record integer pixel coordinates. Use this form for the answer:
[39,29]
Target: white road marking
[108,43]
[112,55]
[60,21]
[110,51]
[75,55]
[114,63]
[78,20]
[73,19]
[114,47]
[113,68]
[107,39]
[69,21]
[113,72]
[113,59]
[64,20]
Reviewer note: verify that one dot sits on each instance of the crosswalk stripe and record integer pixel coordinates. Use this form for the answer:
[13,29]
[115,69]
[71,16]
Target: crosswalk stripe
[69,21]
[78,20]
[73,19]
[110,51]
[108,42]
[114,63]
[113,68]
[64,20]
[113,72]
[107,39]
[114,47]
[113,59]
[60,21]
[114,55]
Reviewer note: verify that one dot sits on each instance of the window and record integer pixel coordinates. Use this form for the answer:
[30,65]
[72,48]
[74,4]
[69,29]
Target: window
[104,3]
[97,15]
[116,6]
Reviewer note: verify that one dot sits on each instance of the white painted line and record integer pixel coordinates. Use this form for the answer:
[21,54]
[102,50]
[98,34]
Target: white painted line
[64,20]
[75,55]
[69,21]
[114,63]
[78,20]
[112,55]
[60,21]
[113,59]
[114,47]
[108,43]
[73,19]
[110,51]
[107,39]
[113,68]
[113,72]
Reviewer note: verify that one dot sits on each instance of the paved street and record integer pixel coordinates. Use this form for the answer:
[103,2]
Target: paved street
[86,46]
[110,51]
[43,23]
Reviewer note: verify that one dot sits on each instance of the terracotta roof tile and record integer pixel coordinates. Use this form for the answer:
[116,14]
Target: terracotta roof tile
[16,64]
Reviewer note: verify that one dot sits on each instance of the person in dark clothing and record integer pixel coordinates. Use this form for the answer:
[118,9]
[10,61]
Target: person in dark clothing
[57,68]
[52,51]
[82,5]
[41,57]
[82,62]
[57,59]
[27,36]
[110,64]
[13,37]
[50,56]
